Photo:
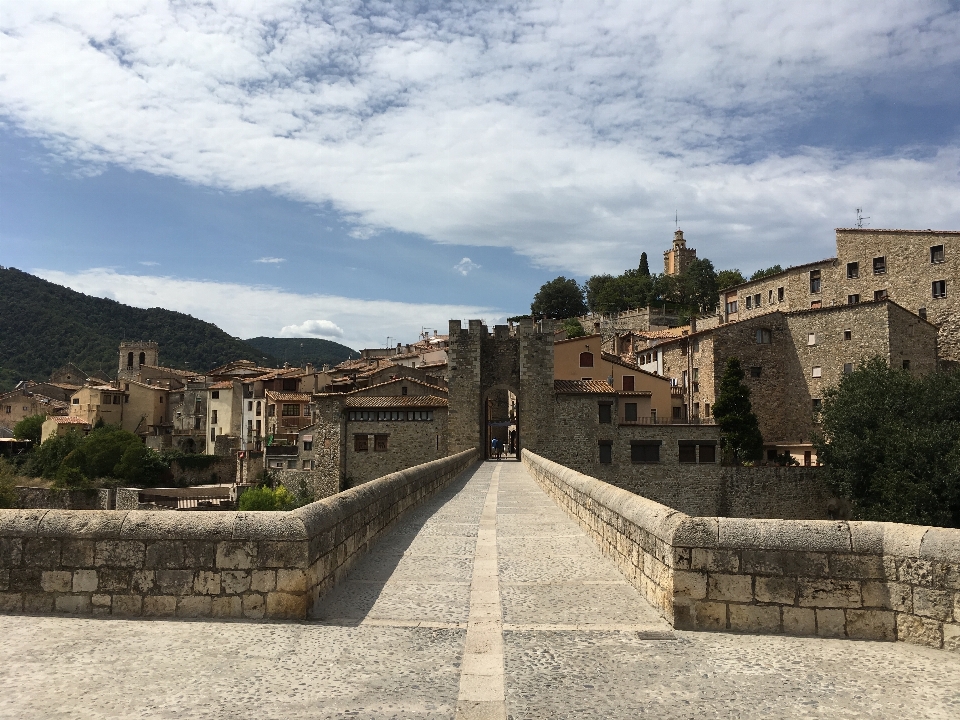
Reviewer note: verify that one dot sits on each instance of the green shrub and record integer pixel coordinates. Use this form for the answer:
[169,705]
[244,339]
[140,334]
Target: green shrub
[29,428]
[263,498]
[8,488]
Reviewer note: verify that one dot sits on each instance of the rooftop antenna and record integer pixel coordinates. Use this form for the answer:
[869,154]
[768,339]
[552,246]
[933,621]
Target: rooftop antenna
[860,217]
[676,219]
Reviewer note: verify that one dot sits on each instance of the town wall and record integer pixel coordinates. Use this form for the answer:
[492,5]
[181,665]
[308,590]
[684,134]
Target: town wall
[32,498]
[257,565]
[863,580]
[319,484]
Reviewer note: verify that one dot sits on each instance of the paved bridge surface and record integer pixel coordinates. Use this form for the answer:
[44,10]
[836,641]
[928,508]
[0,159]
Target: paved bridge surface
[487,601]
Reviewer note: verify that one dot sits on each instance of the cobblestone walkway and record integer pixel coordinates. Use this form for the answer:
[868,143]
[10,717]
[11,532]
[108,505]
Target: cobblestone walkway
[487,602]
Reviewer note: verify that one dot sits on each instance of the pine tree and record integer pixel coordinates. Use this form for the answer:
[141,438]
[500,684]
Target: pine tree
[739,429]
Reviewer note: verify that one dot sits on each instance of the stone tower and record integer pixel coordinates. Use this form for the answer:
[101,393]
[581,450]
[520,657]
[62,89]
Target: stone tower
[678,258]
[517,359]
[133,354]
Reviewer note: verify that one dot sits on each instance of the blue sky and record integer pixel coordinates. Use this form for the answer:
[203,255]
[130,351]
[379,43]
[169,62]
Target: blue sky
[357,170]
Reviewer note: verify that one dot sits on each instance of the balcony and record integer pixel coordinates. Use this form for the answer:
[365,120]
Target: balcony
[669,421]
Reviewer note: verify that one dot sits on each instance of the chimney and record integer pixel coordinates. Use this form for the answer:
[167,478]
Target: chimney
[309,368]
[693,324]
[398,348]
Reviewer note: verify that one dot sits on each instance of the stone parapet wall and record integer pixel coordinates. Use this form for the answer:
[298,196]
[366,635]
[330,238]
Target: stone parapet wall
[865,580]
[36,498]
[321,484]
[201,564]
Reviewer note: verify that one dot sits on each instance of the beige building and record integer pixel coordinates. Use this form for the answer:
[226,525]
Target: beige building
[147,409]
[224,412]
[61,425]
[99,402]
[24,402]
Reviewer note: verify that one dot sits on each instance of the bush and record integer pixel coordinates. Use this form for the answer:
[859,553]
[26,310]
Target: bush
[265,498]
[29,428]
[8,488]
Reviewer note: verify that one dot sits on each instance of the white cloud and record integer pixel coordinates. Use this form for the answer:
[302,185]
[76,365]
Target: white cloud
[565,130]
[313,328]
[149,263]
[245,311]
[271,260]
[466,266]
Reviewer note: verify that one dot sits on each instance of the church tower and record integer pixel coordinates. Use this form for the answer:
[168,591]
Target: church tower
[133,354]
[678,258]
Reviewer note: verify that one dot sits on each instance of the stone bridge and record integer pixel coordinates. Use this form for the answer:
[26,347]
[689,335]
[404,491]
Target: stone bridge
[490,590]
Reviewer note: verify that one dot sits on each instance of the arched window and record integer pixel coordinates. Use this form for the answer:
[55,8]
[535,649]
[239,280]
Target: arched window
[130,359]
[143,358]
[586,359]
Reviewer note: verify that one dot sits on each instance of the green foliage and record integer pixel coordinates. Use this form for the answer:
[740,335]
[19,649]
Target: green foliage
[8,488]
[299,351]
[739,429]
[45,460]
[573,328]
[44,326]
[773,270]
[29,428]
[698,284]
[560,298]
[632,289]
[695,290]
[729,278]
[644,267]
[263,497]
[891,444]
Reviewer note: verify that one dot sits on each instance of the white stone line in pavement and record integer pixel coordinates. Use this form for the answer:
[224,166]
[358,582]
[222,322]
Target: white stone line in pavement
[482,695]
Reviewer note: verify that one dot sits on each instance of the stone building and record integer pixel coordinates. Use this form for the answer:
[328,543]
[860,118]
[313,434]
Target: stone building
[679,257]
[134,355]
[99,402]
[24,402]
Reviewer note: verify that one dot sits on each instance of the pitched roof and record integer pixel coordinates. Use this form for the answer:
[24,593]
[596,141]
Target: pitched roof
[288,396]
[67,420]
[617,360]
[397,380]
[583,386]
[582,338]
[222,385]
[172,371]
[395,401]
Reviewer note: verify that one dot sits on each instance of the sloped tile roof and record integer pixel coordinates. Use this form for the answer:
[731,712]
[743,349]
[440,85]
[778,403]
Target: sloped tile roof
[288,396]
[396,401]
[68,420]
[398,380]
[583,386]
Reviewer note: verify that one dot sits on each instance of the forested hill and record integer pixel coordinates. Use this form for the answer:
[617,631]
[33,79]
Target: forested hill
[44,326]
[299,351]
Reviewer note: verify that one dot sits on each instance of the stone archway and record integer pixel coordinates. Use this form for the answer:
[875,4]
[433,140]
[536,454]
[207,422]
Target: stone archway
[500,406]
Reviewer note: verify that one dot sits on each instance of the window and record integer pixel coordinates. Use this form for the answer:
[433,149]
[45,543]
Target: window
[215,394]
[853,270]
[779,294]
[847,335]
[645,451]
[628,383]
[807,458]
[706,410]
[250,426]
[130,360]
[879,295]
[708,453]
[213,434]
[696,346]
[126,398]
[653,415]
[755,371]
[116,400]
[763,336]
[606,452]
[76,401]
[817,372]
[403,390]
[906,364]
[816,305]
[749,302]
[879,265]
[143,358]
[696,409]
[605,412]
[939,288]
[196,423]
[213,417]
[290,385]
[936,254]
[258,408]
[586,359]
[814,281]
[8,409]
[817,405]
[678,413]
[630,412]
[307,445]
[922,312]
[290,410]
[380,442]
[259,428]
[756,300]
[731,304]
[811,338]
[249,405]
[688,452]
[847,368]
[853,299]
[770,297]
[360,443]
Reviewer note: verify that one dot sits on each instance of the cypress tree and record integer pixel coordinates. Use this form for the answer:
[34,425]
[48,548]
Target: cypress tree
[740,435]
[644,268]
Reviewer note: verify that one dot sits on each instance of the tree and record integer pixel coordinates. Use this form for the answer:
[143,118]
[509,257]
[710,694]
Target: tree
[699,286]
[559,298]
[891,444]
[29,428]
[773,270]
[644,268]
[8,487]
[739,429]
[729,278]
[573,328]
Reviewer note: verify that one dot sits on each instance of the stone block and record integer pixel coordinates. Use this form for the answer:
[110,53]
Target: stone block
[253,606]
[916,571]
[79,604]
[4,579]
[76,553]
[159,606]
[227,607]
[24,580]
[207,583]
[199,554]
[755,618]
[727,561]
[236,555]
[936,604]
[164,554]
[101,600]
[785,563]
[113,580]
[858,567]
[286,606]
[691,585]
[292,581]
[194,606]
[84,580]
[41,553]
[11,602]
[285,554]
[175,582]
[888,595]
[263,580]
[871,624]
[919,631]
[11,552]
[55,581]
[37,603]
[710,615]
[142,581]
[235,582]
[951,637]
[130,605]
[799,621]
[830,623]
[829,593]
[776,590]
[119,553]
[735,588]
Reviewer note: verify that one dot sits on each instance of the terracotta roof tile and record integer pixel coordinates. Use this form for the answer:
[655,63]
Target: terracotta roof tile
[583,386]
[397,380]
[68,420]
[288,396]
[396,401]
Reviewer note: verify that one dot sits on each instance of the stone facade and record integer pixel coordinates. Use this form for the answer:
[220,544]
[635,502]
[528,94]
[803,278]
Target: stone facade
[863,580]
[257,565]
[679,257]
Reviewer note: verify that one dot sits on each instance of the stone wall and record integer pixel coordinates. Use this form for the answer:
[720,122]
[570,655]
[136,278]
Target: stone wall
[201,564]
[33,498]
[208,470]
[320,484]
[409,443]
[865,580]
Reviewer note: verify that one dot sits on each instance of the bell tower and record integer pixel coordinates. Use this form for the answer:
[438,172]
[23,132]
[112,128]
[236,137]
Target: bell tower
[678,258]
[133,354]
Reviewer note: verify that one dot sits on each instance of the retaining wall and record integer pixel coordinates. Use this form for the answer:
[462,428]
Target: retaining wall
[201,564]
[36,498]
[868,580]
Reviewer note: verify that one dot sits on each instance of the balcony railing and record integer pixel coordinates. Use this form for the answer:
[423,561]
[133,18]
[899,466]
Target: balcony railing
[670,421]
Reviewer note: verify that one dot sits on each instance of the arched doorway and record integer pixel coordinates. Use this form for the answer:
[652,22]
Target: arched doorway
[501,422]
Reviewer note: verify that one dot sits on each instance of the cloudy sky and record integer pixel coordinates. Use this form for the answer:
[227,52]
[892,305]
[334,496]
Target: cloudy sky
[357,170]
